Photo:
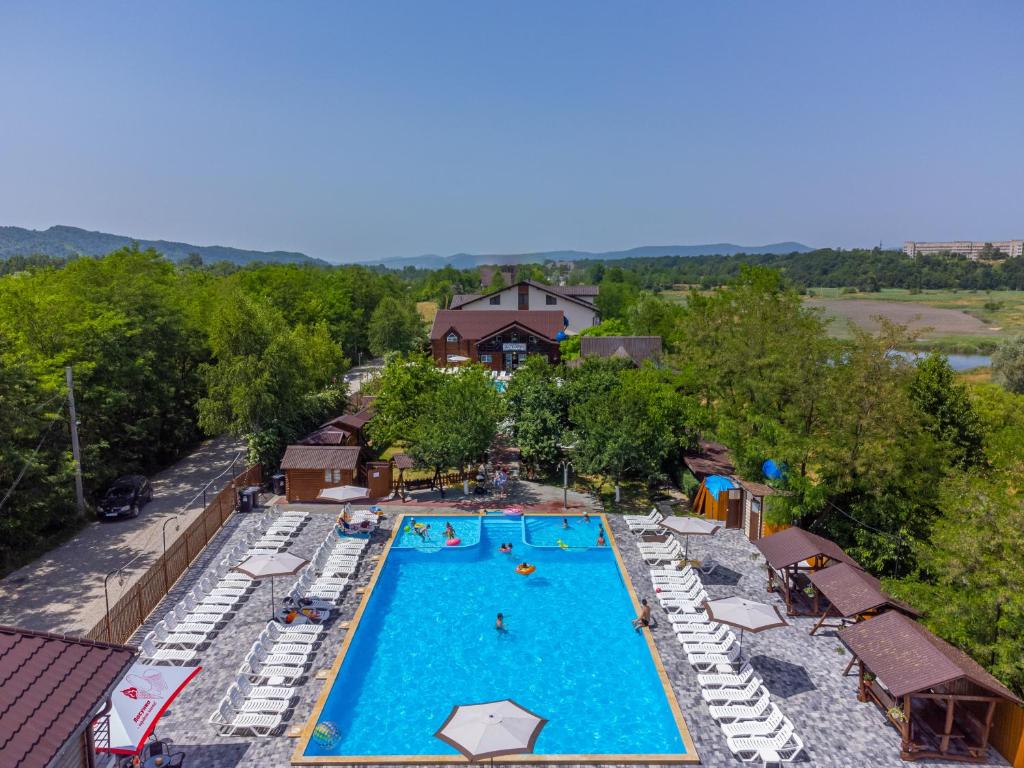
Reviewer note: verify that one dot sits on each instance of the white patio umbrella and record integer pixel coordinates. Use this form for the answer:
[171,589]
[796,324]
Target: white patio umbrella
[139,701]
[690,526]
[745,615]
[344,493]
[271,566]
[457,358]
[491,729]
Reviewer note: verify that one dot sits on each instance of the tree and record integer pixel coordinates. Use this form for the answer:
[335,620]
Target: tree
[951,416]
[570,348]
[404,388]
[630,430]
[615,297]
[458,423]
[395,326]
[270,383]
[538,410]
[1008,364]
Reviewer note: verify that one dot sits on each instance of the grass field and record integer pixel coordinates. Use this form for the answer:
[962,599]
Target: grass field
[970,322]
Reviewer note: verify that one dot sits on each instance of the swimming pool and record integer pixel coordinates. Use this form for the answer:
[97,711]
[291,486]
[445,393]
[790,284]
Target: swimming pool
[425,641]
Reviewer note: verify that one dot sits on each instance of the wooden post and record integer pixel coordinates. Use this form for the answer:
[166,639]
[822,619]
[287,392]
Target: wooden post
[862,694]
[948,729]
[821,621]
[908,746]
[987,729]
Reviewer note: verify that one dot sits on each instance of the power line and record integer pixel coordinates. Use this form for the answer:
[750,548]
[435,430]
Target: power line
[24,467]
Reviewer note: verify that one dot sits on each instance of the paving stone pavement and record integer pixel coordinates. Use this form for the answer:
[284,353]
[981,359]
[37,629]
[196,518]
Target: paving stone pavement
[803,673]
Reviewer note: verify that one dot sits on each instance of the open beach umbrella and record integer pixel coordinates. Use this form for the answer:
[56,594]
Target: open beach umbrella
[139,701]
[745,615]
[491,729]
[271,566]
[690,526]
[344,493]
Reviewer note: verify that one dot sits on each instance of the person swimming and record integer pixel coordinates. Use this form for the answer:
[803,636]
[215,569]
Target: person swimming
[505,548]
[499,623]
[449,531]
[600,539]
[565,522]
[586,516]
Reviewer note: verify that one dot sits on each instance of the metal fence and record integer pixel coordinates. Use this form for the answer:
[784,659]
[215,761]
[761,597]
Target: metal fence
[125,616]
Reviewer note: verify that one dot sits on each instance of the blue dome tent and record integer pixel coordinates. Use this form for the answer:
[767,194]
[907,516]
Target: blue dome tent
[772,470]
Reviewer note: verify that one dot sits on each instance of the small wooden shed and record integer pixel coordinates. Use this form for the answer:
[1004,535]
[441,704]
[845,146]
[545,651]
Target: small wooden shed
[719,498]
[789,556]
[940,700]
[308,469]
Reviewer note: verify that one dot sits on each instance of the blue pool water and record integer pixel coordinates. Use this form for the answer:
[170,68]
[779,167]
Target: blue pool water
[427,642]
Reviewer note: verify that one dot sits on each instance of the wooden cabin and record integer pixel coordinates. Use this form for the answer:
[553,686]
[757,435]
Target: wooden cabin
[720,498]
[54,687]
[939,699]
[308,469]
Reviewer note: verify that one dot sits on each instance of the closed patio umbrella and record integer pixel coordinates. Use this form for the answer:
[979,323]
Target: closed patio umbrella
[491,729]
[344,493]
[690,526]
[271,566]
[745,615]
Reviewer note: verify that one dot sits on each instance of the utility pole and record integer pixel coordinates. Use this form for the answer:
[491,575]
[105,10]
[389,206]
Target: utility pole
[75,452]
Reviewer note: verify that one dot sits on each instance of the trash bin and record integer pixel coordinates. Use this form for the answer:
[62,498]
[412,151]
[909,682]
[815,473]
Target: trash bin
[245,500]
[277,483]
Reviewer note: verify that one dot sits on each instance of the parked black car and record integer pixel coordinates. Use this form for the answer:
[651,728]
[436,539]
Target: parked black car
[126,497]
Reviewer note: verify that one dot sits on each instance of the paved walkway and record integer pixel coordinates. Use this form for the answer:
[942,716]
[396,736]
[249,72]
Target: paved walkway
[62,591]
[803,673]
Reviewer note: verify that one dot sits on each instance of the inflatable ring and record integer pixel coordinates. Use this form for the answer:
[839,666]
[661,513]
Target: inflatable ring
[525,571]
[453,542]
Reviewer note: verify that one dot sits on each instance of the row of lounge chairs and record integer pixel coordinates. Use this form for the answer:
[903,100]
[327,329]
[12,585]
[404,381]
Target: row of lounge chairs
[264,693]
[193,622]
[754,727]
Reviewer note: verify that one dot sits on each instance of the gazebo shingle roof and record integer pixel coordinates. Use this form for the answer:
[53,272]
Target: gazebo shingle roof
[910,659]
[794,545]
[636,348]
[853,592]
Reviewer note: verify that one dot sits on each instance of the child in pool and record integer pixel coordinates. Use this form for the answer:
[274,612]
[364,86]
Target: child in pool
[499,623]
[505,549]
[449,531]
[565,522]
[600,539]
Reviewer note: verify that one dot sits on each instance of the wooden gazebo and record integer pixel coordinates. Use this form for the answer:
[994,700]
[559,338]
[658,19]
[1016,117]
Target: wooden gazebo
[939,698]
[791,555]
[852,595]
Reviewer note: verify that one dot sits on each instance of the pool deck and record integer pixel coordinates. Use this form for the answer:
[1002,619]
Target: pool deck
[803,673]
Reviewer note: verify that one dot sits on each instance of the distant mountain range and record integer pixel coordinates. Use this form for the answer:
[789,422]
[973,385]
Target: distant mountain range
[64,241]
[470,260]
[72,241]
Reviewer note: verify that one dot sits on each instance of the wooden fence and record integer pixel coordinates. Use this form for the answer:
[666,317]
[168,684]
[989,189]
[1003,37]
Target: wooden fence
[449,479]
[1008,733]
[129,613]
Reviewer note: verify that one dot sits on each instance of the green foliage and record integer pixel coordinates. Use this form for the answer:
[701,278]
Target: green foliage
[404,388]
[458,422]
[615,298]
[395,326]
[1008,364]
[570,348]
[951,417]
[538,408]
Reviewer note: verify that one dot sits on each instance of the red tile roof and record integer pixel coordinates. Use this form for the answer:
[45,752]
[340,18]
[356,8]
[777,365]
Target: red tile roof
[50,688]
[795,545]
[476,324]
[910,659]
[321,457]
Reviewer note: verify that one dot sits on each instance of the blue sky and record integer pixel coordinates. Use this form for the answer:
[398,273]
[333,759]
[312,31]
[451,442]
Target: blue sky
[393,129]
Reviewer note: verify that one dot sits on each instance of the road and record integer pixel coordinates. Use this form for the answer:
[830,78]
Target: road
[62,591]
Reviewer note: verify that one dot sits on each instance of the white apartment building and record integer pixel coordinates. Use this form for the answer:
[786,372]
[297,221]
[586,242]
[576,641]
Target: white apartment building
[972,249]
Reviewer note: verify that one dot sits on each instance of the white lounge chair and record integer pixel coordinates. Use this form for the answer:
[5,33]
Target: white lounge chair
[178,639]
[285,692]
[197,607]
[715,633]
[694,594]
[198,624]
[750,692]
[240,703]
[641,523]
[729,679]
[271,673]
[230,723]
[699,648]
[706,662]
[783,747]
[731,713]
[302,633]
[273,659]
[271,647]
[164,655]
[768,727]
